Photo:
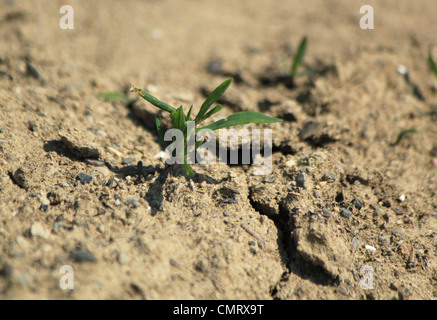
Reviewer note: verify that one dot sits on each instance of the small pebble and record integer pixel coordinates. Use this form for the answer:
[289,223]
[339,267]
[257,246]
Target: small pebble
[357,203]
[215,66]
[404,293]
[101,228]
[355,243]
[114,151]
[84,178]
[161,156]
[393,286]
[58,223]
[317,194]
[300,180]
[370,248]
[82,256]
[97,163]
[328,176]
[326,213]
[377,212]
[128,160]
[133,202]
[123,258]
[38,230]
[111,183]
[345,213]
[174,263]
[343,290]
[290,163]
[401,69]
[383,239]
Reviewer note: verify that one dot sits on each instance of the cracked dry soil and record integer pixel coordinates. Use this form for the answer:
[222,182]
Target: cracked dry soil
[80,184]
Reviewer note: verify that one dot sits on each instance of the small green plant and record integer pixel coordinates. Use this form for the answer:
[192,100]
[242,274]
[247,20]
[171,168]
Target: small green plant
[114,96]
[404,133]
[180,119]
[298,60]
[431,63]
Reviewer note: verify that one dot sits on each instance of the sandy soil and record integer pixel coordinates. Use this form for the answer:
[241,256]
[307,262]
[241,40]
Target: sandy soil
[345,196]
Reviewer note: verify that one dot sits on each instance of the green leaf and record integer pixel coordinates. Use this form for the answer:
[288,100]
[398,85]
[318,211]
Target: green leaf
[404,133]
[240,118]
[308,71]
[159,129]
[188,169]
[114,96]
[298,59]
[431,63]
[216,109]
[157,103]
[189,113]
[213,97]
[178,119]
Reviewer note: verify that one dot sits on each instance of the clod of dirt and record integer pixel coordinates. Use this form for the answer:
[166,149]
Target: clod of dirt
[226,194]
[264,200]
[266,104]
[287,115]
[310,130]
[311,103]
[318,243]
[79,143]
[314,133]
[27,175]
[285,147]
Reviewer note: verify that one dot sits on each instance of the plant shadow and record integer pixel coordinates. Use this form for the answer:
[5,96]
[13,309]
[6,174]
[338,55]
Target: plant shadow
[155,194]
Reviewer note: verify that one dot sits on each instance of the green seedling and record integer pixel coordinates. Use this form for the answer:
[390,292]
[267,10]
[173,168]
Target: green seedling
[180,119]
[114,96]
[298,60]
[403,133]
[431,63]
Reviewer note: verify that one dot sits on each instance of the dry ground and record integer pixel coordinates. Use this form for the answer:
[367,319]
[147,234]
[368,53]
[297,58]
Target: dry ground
[341,180]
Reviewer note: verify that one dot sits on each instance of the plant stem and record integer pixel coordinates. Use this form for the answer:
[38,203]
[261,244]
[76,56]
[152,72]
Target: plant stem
[188,169]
